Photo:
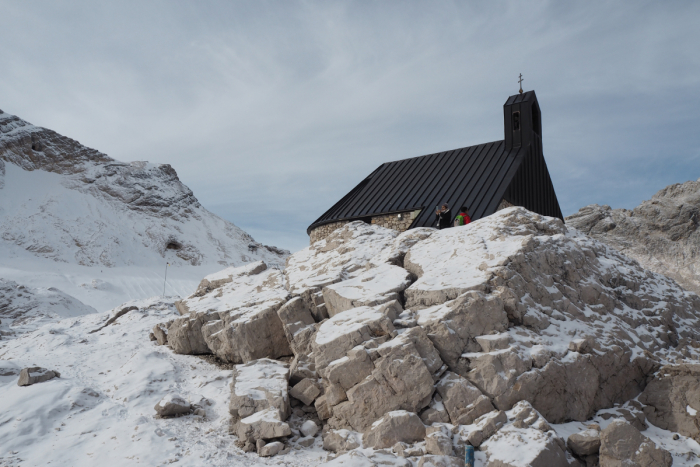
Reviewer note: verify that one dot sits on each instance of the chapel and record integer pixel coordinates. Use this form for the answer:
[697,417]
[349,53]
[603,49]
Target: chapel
[485,178]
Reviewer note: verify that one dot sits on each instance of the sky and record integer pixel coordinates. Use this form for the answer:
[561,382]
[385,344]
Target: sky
[272,111]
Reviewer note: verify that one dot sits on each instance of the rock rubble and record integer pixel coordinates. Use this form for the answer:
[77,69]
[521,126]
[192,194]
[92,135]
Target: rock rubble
[426,341]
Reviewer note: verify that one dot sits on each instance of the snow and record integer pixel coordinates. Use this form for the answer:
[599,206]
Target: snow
[347,323]
[57,231]
[101,409]
[264,374]
[340,256]
[691,411]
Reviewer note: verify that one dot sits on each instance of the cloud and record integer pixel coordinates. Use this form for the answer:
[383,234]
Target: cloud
[271,111]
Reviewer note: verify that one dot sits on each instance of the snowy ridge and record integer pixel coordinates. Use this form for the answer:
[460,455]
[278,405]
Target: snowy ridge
[74,206]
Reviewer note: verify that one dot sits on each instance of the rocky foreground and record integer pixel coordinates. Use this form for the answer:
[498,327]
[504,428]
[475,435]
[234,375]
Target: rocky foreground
[404,348]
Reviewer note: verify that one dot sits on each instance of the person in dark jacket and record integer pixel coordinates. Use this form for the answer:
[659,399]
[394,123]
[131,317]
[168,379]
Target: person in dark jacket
[443,217]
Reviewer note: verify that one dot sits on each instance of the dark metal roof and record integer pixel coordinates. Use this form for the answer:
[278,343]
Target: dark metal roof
[478,177]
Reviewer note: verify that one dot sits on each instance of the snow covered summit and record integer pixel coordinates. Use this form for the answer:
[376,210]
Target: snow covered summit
[75,206]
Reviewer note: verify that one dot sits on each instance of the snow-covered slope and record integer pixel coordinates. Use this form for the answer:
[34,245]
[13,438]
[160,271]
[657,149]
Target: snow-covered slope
[70,215]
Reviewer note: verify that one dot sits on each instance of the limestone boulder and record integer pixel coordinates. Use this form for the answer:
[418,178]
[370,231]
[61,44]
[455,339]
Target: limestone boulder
[341,440]
[172,405]
[342,255]
[271,449]
[306,390]
[435,412]
[439,443]
[395,426]
[302,366]
[493,373]
[621,444]
[400,380]
[299,325]
[493,342]
[259,385]
[483,428]
[584,443]
[672,400]
[396,252]
[185,334]
[237,320]
[576,387]
[160,332]
[379,284]
[463,401]
[35,374]
[453,326]
[527,440]
[336,336]
[266,424]
[454,261]
[218,279]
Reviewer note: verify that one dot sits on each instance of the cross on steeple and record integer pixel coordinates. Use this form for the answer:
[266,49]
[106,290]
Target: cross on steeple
[521,83]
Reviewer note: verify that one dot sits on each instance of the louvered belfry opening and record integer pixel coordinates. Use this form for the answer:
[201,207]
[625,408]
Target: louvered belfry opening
[479,177]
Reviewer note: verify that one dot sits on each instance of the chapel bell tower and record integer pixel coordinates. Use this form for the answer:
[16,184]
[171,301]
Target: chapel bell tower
[522,121]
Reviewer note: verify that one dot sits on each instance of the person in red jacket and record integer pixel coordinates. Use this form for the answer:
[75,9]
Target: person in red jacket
[463,217]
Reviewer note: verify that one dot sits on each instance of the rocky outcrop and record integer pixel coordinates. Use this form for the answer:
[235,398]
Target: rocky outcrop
[621,444]
[672,400]
[112,213]
[378,285]
[233,315]
[544,447]
[661,233]
[542,324]
[395,426]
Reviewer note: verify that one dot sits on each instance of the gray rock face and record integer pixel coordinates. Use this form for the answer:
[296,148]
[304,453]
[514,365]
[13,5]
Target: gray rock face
[393,427]
[400,380]
[270,449]
[306,391]
[336,336]
[672,400]
[172,405]
[379,284]
[621,444]
[453,326]
[234,316]
[341,440]
[439,443]
[544,447]
[584,443]
[257,386]
[266,424]
[35,374]
[463,401]
[299,325]
[662,233]
[486,426]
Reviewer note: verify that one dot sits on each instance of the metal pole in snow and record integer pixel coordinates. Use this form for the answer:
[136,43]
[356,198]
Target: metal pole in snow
[469,456]
[166,278]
